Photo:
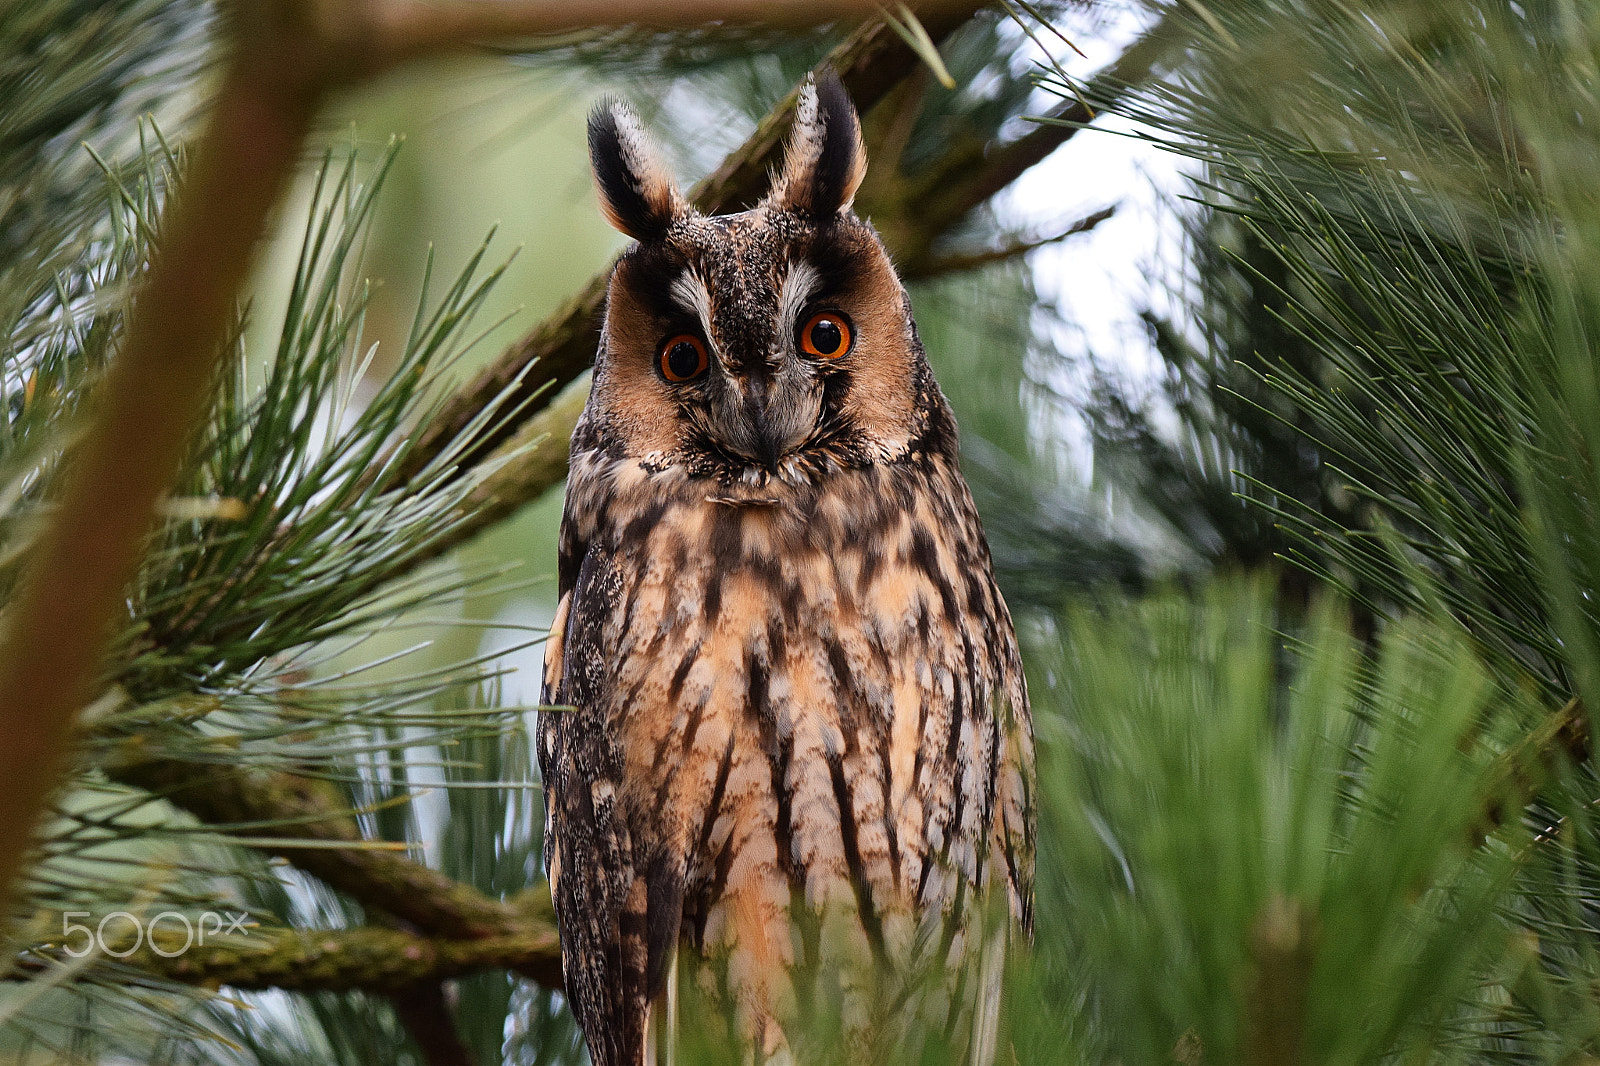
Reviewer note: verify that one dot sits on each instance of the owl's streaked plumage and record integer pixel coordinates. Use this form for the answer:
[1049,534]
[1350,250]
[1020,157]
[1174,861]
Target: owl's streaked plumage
[798,747]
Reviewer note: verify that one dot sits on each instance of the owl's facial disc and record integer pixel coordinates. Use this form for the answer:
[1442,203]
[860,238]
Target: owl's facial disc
[756,341]
[759,395]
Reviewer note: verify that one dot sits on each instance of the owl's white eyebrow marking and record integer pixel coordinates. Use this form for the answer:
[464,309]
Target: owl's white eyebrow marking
[689,289]
[797,289]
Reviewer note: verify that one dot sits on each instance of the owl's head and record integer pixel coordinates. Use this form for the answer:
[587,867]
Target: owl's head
[773,342]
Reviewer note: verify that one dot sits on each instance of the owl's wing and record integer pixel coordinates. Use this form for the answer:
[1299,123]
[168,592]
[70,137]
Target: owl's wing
[1016,817]
[1012,843]
[588,853]
[612,915]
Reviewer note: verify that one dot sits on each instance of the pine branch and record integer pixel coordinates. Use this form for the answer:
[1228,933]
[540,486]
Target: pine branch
[379,34]
[341,960]
[531,463]
[309,809]
[144,411]
[953,264]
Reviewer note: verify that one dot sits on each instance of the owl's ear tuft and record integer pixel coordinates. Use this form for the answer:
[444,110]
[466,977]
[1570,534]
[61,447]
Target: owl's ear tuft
[826,159]
[637,193]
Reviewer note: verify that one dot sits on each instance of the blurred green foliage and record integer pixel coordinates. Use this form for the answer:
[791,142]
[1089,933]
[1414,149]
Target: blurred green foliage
[1260,852]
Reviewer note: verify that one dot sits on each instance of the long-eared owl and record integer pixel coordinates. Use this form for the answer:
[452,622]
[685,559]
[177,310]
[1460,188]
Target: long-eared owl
[790,742]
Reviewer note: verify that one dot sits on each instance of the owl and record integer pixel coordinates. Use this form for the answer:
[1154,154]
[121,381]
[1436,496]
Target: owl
[788,743]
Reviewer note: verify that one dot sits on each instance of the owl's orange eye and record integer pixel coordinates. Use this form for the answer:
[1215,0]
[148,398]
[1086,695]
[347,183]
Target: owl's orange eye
[826,335]
[683,357]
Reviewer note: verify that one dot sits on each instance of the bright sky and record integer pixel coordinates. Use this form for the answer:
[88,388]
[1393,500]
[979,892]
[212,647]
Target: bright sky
[1099,281]
[1102,279]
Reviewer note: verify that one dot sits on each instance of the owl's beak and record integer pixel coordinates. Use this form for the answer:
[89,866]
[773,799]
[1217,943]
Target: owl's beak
[765,413]
[768,447]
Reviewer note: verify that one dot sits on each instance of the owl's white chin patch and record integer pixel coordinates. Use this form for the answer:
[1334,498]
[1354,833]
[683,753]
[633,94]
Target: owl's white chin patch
[790,471]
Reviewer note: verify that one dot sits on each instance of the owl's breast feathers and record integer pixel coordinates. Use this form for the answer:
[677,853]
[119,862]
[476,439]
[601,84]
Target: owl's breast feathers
[783,690]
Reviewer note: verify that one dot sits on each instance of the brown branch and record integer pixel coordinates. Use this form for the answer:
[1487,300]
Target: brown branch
[1283,944]
[375,960]
[305,808]
[142,413]
[893,126]
[870,63]
[951,264]
[285,55]
[312,810]
[383,34]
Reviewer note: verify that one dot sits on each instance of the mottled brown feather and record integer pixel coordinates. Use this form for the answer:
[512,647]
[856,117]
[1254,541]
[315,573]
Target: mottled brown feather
[799,746]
